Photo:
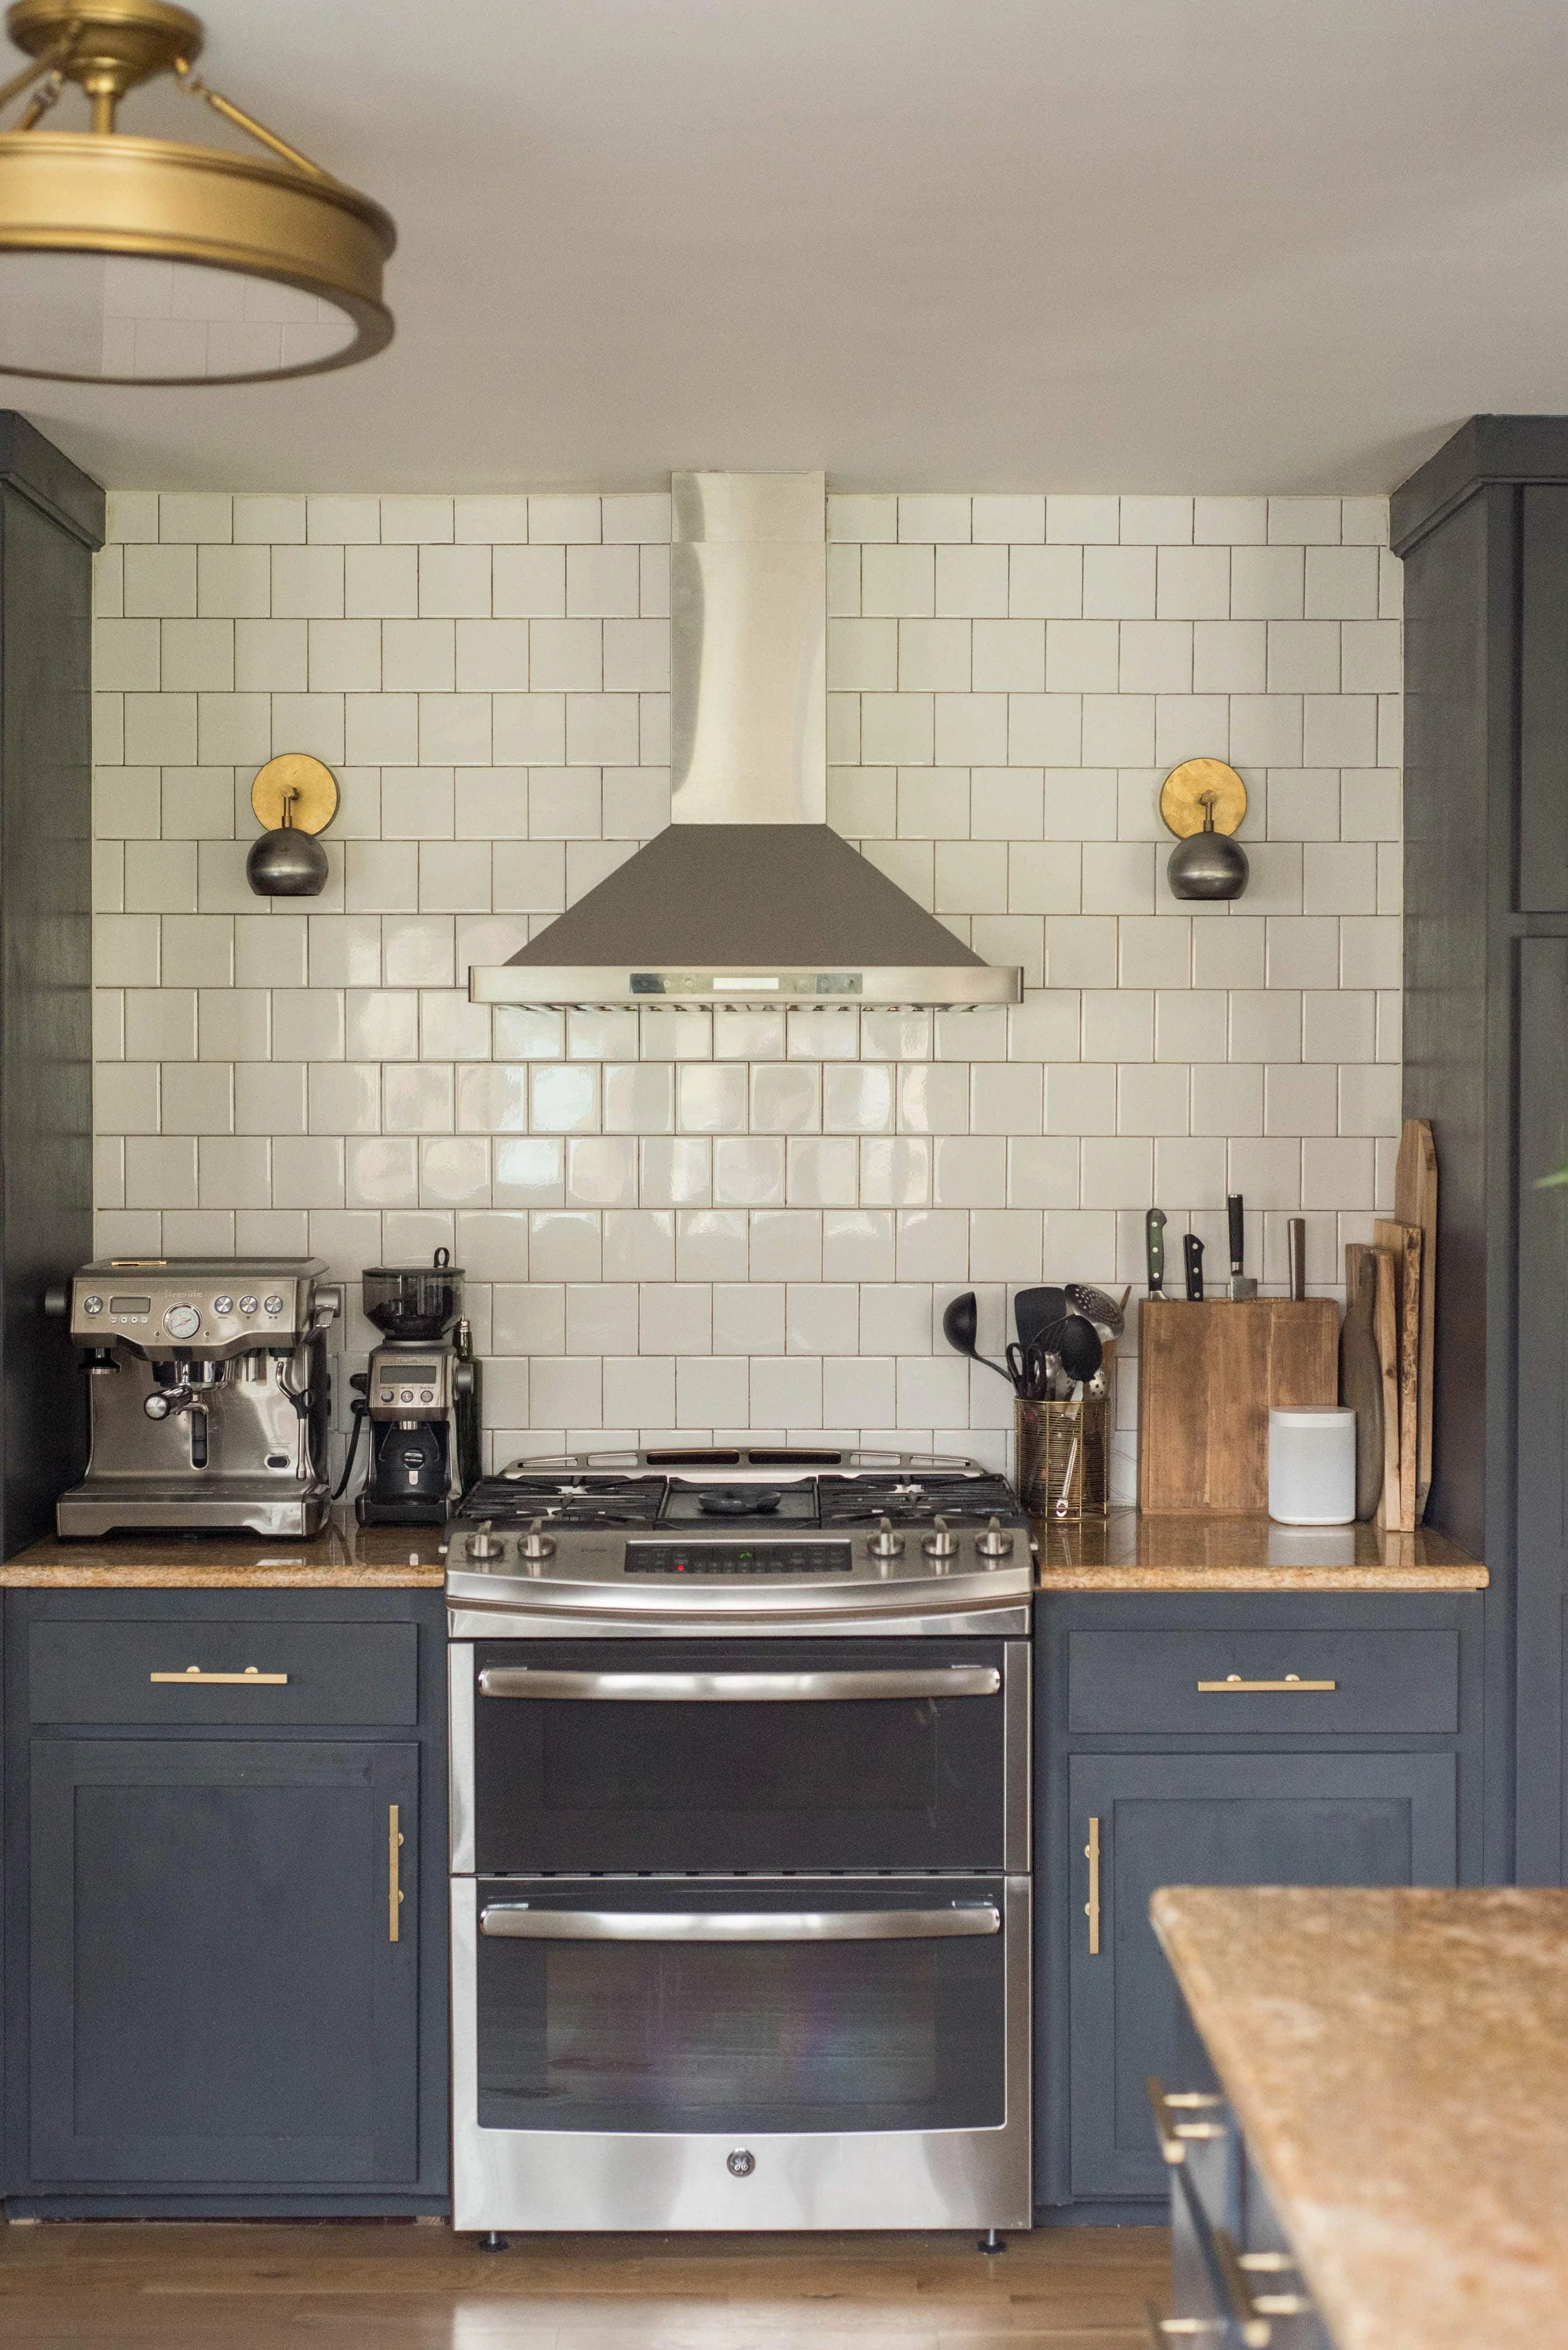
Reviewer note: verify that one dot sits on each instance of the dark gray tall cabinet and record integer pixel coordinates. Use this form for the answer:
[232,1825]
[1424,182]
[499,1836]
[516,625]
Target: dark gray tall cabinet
[51,521]
[1483,530]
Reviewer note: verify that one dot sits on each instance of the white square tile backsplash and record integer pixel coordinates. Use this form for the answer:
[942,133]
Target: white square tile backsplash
[677,1223]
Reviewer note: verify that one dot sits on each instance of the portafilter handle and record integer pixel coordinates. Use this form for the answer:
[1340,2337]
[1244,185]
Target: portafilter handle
[163,1402]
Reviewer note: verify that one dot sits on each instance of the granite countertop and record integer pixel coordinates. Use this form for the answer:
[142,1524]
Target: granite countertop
[1124,1551]
[1399,2062]
[346,1557]
[1129,1552]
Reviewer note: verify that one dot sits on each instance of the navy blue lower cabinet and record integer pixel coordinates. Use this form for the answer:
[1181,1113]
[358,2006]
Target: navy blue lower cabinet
[1210,1819]
[226,1948]
[216,1994]
[1236,1738]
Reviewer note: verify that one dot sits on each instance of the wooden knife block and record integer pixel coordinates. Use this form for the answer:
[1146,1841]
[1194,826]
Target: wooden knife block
[1208,1372]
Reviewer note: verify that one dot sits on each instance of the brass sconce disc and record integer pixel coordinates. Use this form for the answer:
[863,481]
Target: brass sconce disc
[312,783]
[1184,796]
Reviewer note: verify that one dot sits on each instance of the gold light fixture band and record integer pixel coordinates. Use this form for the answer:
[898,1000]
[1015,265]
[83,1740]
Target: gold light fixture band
[78,192]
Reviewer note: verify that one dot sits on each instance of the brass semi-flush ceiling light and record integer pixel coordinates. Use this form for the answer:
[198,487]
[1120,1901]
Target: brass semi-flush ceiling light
[127,260]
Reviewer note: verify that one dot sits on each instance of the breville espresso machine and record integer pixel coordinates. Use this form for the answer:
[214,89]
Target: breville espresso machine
[420,1395]
[208,1393]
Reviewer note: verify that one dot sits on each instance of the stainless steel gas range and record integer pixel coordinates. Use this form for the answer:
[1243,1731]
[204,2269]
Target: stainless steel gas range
[739,1843]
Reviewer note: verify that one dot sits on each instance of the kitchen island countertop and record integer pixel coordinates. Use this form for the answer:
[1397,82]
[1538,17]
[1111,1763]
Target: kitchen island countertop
[1398,2064]
[1131,1552]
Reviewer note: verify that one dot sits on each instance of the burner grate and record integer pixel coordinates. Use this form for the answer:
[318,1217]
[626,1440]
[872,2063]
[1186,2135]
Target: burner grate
[915,1500]
[590,1501]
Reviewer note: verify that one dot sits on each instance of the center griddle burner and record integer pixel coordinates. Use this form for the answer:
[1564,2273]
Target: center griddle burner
[738,1502]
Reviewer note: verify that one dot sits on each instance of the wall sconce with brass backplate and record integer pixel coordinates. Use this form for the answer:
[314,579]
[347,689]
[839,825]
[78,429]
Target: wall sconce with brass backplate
[1203,802]
[294,797]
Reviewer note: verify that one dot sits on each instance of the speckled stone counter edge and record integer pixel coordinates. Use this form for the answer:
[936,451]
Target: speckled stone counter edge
[346,1557]
[1397,2061]
[1125,1551]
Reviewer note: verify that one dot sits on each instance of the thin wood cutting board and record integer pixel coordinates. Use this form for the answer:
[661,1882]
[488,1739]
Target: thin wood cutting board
[1387,1329]
[1403,1244]
[1209,1371]
[1416,1202]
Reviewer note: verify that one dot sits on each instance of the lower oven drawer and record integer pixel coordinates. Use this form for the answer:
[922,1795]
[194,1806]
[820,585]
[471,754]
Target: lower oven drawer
[763,2053]
[668,1756]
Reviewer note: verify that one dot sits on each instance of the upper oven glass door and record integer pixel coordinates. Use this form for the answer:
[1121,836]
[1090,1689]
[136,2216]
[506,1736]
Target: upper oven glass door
[806,2006]
[772,1755]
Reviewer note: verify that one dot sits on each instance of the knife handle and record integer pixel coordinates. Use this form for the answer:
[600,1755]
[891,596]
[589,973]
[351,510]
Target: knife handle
[1192,1249]
[1154,1243]
[1238,1230]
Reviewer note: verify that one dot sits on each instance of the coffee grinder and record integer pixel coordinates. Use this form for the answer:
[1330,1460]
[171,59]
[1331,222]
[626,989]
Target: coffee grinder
[420,1395]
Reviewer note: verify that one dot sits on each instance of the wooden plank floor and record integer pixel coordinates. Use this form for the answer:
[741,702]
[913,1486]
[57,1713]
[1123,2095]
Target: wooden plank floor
[162,2285]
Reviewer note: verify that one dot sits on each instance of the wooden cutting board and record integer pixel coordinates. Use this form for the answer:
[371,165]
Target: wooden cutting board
[1386,1326]
[1361,1377]
[1403,1244]
[1209,1371]
[1416,1202]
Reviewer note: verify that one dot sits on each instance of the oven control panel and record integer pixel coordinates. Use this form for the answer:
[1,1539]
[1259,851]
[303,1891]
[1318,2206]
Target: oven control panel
[738,1558]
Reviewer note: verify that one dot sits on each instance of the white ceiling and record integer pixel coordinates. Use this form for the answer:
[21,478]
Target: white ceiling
[1143,245]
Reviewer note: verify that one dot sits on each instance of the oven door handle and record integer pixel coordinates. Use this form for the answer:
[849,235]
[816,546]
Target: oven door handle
[739,1688]
[516,1921]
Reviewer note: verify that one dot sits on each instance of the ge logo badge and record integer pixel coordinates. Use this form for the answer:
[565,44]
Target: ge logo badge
[742,2163]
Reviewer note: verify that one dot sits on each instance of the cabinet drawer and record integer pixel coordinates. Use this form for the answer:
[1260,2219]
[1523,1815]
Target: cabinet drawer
[349,1675]
[1124,1681]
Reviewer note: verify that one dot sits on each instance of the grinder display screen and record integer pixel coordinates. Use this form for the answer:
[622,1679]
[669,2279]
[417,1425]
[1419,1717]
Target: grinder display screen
[408,1371]
[130,1305]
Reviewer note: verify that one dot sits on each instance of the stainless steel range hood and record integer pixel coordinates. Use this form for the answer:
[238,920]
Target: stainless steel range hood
[749,897]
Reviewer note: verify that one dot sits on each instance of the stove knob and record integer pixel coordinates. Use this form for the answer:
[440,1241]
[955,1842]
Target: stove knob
[942,1543]
[536,1545]
[483,1545]
[994,1543]
[884,1543]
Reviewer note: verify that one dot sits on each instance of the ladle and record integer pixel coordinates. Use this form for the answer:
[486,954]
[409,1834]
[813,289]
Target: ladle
[960,1321]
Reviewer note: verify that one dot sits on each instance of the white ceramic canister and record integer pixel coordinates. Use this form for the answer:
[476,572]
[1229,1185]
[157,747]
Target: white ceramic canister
[1312,1466]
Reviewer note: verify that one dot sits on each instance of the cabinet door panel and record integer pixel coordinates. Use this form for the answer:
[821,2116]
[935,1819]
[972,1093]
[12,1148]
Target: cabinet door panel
[1213,1819]
[1541,1454]
[217,1998]
[1544,701]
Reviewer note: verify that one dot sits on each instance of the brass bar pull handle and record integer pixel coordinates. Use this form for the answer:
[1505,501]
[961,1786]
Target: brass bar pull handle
[1092,1906]
[1234,1686]
[1168,2105]
[1251,2311]
[394,1873]
[1158,2331]
[249,1678]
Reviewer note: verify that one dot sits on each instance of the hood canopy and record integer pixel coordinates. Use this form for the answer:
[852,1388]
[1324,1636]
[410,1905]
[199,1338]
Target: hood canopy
[749,897]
